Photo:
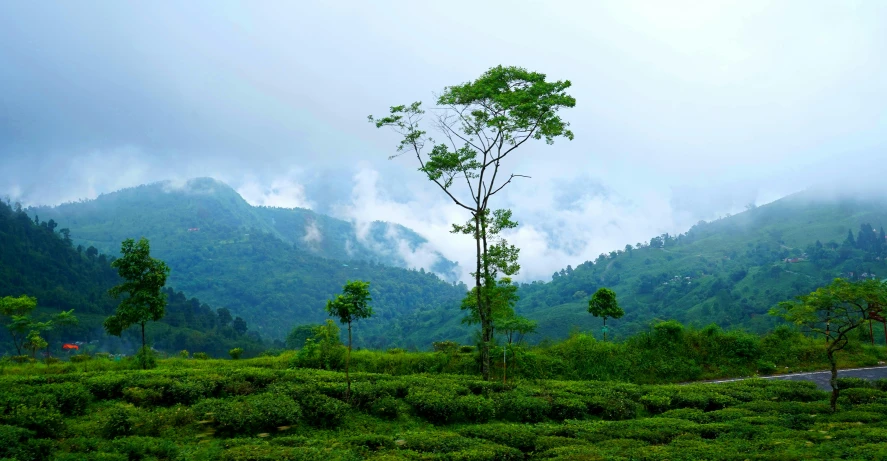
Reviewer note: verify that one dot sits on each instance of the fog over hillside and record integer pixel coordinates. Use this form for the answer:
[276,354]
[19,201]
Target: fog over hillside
[685,111]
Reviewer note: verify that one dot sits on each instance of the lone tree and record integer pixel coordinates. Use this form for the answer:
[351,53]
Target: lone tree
[834,311]
[603,304]
[23,329]
[143,299]
[352,305]
[481,124]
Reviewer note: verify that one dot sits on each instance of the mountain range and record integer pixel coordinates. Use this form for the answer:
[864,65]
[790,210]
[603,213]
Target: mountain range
[277,267]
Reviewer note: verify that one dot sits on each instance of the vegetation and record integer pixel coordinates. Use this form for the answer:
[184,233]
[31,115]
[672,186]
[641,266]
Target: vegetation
[350,306]
[272,408]
[233,259]
[483,122]
[834,311]
[38,263]
[144,278]
[603,304]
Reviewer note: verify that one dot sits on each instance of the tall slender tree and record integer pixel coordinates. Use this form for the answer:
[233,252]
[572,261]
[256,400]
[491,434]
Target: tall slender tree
[352,305]
[482,123]
[143,298]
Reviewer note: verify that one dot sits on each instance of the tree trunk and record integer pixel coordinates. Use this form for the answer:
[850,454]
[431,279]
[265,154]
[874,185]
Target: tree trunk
[348,366]
[144,351]
[871,332]
[605,329]
[833,380]
[485,345]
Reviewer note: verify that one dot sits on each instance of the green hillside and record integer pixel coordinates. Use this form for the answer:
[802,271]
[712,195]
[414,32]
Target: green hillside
[728,272]
[168,213]
[36,260]
[230,254]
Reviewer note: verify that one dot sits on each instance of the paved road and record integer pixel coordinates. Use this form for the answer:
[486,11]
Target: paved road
[821,378]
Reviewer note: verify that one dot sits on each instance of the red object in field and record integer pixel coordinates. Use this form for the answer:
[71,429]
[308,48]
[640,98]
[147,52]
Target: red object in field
[70,346]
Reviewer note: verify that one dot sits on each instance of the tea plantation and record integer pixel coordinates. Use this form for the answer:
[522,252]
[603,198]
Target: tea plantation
[263,409]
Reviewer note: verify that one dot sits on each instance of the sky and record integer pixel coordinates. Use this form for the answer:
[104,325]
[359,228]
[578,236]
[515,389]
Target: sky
[685,110]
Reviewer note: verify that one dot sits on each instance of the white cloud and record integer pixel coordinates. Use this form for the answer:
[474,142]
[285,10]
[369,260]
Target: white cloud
[313,235]
[281,192]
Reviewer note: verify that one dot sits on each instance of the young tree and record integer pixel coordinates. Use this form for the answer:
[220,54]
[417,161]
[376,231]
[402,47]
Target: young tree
[501,298]
[21,325]
[833,311]
[352,305]
[144,300]
[603,304]
[482,122]
[35,342]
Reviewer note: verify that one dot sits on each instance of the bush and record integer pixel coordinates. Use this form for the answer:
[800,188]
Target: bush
[432,405]
[467,349]
[445,346]
[80,358]
[246,415]
[145,358]
[322,411]
[52,360]
[118,421]
[386,407]
[519,436]
[858,396]
[851,383]
[201,356]
[183,354]
[519,407]
[21,359]
[44,420]
[766,368]
[235,353]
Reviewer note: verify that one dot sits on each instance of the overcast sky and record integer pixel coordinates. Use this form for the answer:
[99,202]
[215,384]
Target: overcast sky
[685,110]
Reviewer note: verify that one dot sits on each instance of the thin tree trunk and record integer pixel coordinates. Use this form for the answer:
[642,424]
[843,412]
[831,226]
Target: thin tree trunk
[833,380]
[144,351]
[871,332]
[348,366]
[485,345]
[605,329]
[488,330]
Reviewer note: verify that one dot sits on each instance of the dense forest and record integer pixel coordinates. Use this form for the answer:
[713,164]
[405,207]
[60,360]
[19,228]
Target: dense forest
[39,259]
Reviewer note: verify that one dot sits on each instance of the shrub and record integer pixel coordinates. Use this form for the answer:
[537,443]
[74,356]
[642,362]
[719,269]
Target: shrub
[370,441]
[118,421]
[519,436]
[467,349]
[567,408]
[183,354]
[445,346]
[44,420]
[858,396]
[386,407]
[201,356]
[432,405]
[142,397]
[145,358]
[235,353]
[322,411]
[21,359]
[766,367]
[144,448]
[851,383]
[519,407]
[245,415]
[80,358]
[52,360]
[72,398]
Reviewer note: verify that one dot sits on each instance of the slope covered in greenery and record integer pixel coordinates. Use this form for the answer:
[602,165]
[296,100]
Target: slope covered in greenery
[168,213]
[230,254]
[38,260]
[728,272]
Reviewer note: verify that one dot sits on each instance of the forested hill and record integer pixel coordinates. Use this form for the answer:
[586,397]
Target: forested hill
[169,213]
[729,272]
[225,252]
[40,260]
